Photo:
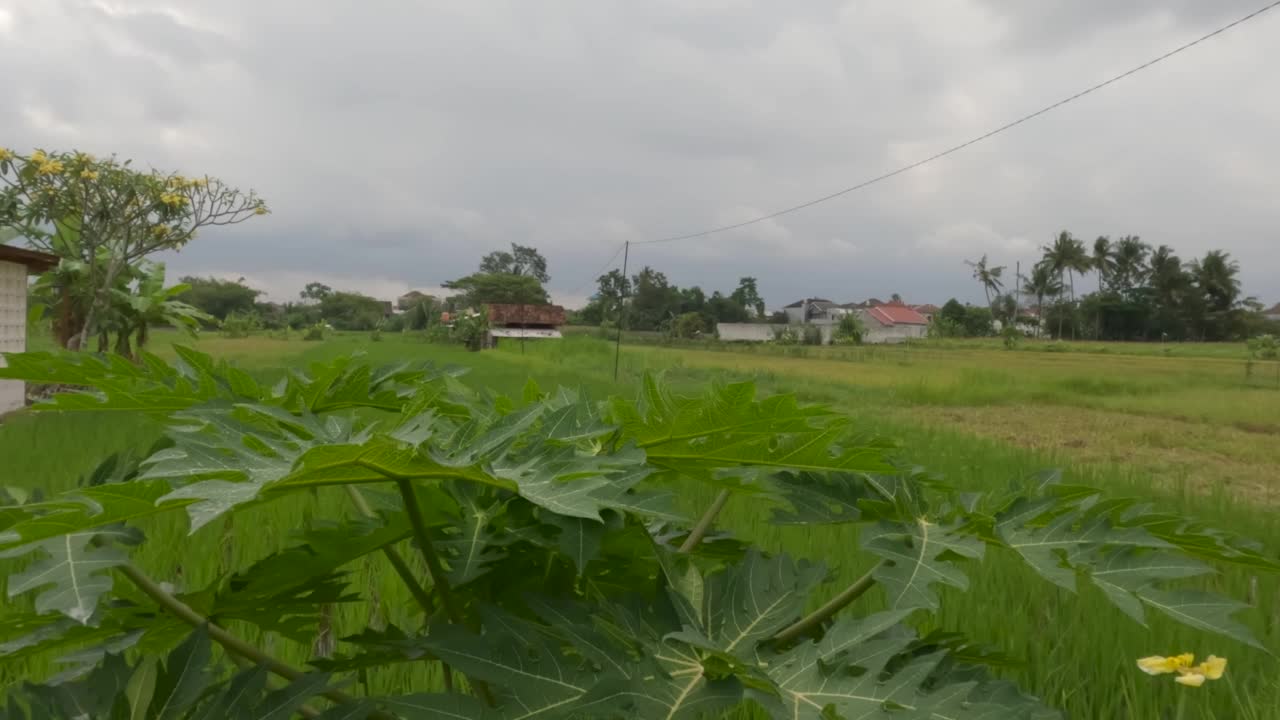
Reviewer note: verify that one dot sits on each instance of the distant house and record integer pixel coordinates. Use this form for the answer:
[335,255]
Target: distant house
[531,322]
[892,323]
[815,311]
[15,265]
[928,310]
[409,300]
[1273,313]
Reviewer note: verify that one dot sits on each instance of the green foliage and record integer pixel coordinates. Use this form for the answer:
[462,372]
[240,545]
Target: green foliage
[103,217]
[314,333]
[1011,336]
[850,330]
[688,325]
[1264,347]
[351,311]
[219,298]
[563,582]
[497,289]
[238,325]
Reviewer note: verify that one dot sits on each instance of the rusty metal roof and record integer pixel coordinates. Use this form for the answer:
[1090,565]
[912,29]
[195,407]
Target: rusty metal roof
[36,261]
[526,315]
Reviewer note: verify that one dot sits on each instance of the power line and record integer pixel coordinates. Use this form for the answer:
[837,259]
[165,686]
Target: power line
[963,145]
[592,277]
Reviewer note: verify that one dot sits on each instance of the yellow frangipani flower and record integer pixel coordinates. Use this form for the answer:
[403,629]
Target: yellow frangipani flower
[173,199]
[260,210]
[89,174]
[1213,667]
[38,157]
[1189,673]
[5,154]
[1157,665]
[49,167]
[1190,679]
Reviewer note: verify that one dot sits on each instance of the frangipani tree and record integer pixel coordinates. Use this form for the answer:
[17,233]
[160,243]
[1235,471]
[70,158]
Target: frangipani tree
[106,214]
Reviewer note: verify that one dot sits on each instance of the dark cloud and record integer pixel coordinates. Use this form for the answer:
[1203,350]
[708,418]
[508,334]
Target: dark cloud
[397,142]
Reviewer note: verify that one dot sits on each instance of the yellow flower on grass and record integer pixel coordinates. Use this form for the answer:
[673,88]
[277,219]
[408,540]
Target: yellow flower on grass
[1189,673]
[1157,665]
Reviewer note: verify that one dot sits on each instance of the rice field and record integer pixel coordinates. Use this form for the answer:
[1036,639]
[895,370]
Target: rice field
[1193,431]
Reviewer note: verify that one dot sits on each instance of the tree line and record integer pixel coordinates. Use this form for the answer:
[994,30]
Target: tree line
[654,303]
[1142,292]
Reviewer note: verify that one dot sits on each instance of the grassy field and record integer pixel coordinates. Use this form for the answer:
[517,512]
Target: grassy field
[1188,430]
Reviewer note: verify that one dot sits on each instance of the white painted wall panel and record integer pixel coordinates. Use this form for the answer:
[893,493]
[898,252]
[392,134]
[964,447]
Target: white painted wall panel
[13,328]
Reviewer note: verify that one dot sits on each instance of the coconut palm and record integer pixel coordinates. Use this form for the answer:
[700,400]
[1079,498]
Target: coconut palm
[1129,263]
[988,276]
[1067,257]
[1103,262]
[1215,275]
[1043,282]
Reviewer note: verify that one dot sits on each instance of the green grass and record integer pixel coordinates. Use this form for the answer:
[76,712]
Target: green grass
[1189,433]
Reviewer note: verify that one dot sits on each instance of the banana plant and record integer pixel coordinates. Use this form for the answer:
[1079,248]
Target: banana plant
[557,575]
[148,302]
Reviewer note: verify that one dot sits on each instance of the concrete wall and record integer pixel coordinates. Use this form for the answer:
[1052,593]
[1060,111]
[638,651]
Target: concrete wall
[763,332]
[13,329]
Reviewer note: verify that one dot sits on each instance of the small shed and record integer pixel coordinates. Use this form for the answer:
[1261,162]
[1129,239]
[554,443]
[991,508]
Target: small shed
[532,322]
[15,265]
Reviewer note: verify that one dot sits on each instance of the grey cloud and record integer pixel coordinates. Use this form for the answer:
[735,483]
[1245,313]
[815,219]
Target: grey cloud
[397,142]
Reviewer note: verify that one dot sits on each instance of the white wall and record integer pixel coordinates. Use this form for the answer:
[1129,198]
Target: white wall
[763,332]
[13,329]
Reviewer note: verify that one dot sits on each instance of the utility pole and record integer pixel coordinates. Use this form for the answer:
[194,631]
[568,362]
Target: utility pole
[622,310]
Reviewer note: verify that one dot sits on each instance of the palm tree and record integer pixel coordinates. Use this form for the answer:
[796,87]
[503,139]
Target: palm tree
[988,276]
[1103,262]
[1215,275]
[1128,267]
[1042,283]
[1066,256]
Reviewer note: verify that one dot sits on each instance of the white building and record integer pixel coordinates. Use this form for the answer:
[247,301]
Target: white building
[892,323]
[15,264]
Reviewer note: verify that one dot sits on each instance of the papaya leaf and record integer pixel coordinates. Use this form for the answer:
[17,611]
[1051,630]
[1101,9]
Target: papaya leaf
[751,600]
[76,566]
[238,696]
[1201,610]
[281,704]
[817,498]
[917,555]
[185,677]
[436,706]
[728,427]
[81,510]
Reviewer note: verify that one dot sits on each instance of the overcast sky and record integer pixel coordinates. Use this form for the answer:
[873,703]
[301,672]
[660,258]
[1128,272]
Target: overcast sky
[397,142]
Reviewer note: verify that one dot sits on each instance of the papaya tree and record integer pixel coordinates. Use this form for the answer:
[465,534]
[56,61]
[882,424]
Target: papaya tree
[106,215]
[554,571]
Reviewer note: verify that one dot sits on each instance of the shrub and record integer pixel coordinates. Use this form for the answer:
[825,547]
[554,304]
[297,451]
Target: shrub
[439,334]
[557,563]
[240,325]
[849,331]
[315,332]
[1011,336]
[786,335]
[1264,347]
[811,335]
[688,326]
